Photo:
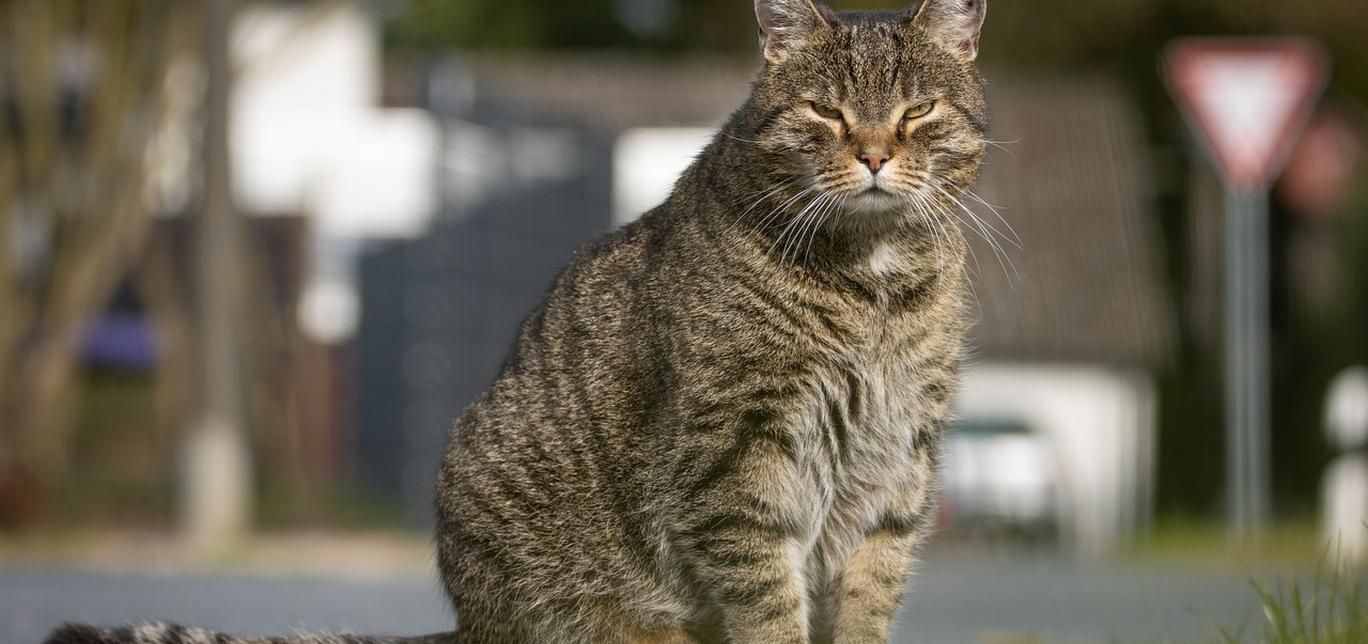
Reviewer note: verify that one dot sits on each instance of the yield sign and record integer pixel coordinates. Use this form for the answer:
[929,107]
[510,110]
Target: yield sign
[1247,98]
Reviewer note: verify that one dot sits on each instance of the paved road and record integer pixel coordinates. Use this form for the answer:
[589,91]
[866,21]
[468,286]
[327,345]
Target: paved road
[952,601]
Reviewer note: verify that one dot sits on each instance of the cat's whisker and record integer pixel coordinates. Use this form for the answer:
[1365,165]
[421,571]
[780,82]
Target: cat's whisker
[946,212]
[945,234]
[1002,145]
[782,207]
[760,196]
[971,213]
[792,222]
[737,138]
[846,184]
[816,227]
[978,269]
[913,195]
[978,226]
[917,200]
[810,217]
[978,222]
[805,218]
[768,193]
[998,249]
[1016,239]
[998,252]
[835,203]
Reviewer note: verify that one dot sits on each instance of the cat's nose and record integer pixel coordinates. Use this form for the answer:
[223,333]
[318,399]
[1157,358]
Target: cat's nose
[874,160]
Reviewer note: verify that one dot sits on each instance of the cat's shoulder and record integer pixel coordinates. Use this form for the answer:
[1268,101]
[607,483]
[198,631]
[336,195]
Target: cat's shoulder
[648,237]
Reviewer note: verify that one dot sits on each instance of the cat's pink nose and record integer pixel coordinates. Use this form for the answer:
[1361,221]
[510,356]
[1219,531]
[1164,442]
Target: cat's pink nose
[874,160]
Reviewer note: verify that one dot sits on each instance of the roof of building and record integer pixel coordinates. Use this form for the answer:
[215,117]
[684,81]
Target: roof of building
[1071,178]
[1068,173]
[614,92]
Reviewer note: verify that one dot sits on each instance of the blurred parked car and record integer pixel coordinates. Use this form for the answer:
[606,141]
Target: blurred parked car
[1001,483]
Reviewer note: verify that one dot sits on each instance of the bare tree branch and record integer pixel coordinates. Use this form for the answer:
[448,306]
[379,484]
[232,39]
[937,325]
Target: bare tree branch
[85,84]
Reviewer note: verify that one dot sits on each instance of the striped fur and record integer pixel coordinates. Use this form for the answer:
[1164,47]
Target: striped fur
[174,634]
[716,430]
[723,424]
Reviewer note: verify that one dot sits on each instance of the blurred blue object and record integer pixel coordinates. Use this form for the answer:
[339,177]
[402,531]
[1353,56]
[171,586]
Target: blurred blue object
[121,341]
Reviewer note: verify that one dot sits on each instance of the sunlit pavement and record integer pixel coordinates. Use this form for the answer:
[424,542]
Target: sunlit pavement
[952,600]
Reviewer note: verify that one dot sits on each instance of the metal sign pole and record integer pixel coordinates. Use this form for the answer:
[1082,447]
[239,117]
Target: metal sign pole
[1259,394]
[1247,363]
[1236,521]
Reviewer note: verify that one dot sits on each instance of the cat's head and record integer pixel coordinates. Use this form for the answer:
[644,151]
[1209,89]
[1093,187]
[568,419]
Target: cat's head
[879,111]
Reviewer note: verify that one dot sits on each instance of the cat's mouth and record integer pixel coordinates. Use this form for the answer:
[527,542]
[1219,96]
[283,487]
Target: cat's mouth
[875,199]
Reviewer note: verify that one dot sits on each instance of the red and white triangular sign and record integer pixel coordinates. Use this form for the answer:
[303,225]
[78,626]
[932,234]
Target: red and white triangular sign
[1248,99]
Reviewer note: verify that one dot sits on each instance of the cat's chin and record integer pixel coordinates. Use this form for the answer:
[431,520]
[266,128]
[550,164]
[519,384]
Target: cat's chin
[875,202]
[873,213]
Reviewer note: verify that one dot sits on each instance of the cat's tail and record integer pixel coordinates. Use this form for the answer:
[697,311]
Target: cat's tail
[172,634]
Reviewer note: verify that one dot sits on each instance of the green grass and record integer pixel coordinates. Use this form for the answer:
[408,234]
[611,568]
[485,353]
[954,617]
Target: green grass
[1333,609]
[1287,544]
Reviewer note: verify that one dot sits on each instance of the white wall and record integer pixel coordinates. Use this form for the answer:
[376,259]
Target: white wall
[307,134]
[308,138]
[1101,425]
[646,163]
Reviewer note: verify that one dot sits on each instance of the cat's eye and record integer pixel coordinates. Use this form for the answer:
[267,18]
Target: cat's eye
[919,110]
[826,111]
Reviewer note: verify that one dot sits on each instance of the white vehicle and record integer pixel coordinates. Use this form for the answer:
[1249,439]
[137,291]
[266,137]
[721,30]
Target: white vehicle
[1001,480]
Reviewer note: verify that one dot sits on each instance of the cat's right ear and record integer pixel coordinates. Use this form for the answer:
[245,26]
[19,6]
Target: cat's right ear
[785,25]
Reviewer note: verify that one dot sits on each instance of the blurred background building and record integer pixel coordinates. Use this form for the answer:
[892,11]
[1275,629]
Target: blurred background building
[412,174]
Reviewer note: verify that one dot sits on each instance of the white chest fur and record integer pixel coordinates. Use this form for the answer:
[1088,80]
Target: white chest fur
[884,259]
[860,451]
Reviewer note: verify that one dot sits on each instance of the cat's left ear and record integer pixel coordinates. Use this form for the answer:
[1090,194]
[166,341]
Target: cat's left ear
[786,25]
[955,22]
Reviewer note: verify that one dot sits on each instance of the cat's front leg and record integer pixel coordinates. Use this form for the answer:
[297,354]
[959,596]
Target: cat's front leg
[872,588]
[872,585]
[746,565]
[742,532]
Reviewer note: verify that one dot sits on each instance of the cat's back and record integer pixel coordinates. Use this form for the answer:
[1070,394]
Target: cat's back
[589,321]
[582,378]
[562,426]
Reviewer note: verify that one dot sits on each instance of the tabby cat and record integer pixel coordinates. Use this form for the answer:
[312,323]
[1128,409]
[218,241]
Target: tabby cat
[724,422]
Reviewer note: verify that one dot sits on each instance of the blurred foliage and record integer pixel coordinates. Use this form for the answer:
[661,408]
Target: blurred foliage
[85,96]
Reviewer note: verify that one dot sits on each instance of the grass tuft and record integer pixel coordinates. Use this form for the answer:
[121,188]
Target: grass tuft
[1331,610]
